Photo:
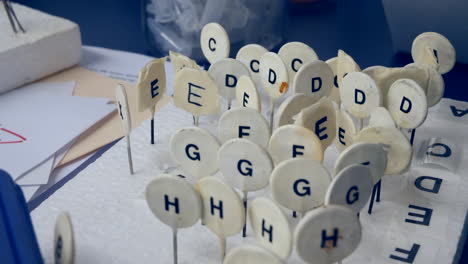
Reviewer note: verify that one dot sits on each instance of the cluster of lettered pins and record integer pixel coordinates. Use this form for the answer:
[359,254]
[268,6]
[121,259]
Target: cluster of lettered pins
[363,113]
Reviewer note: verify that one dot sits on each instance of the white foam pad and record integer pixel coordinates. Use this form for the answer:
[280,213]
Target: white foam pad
[50,44]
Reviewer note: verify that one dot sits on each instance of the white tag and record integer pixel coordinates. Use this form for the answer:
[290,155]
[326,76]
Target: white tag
[214,42]
[247,94]
[250,56]
[173,201]
[299,184]
[314,79]
[407,103]
[245,123]
[151,84]
[271,226]
[226,73]
[295,55]
[245,165]
[290,108]
[180,61]
[327,234]
[396,145]
[320,118]
[274,75]
[345,65]
[223,211]
[291,141]
[360,94]
[196,92]
[433,48]
[64,251]
[195,150]
[381,117]
[335,93]
[345,130]
[435,84]
[351,188]
[123,108]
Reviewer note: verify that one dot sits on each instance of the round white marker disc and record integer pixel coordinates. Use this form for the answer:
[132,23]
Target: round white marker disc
[249,254]
[247,94]
[223,210]
[291,141]
[195,150]
[64,242]
[407,103]
[327,234]
[345,65]
[320,118]
[360,94]
[123,108]
[351,188]
[295,55]
[214,42]
[243,122]
[345,130]
[173,201]
[380,117]
[250,56]
[151,85]
[396,145]
[245,165]
[335,93]
[299,184]
[435,85]
[274,75]
[196,92]
[314,79]
[290,107]
[180,61]
[433,48]
[368,154]
[226,73]
[267,215]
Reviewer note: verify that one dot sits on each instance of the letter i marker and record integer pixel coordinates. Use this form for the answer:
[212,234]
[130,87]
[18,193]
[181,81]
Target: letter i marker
[124,114]
[274,77]
[175,203]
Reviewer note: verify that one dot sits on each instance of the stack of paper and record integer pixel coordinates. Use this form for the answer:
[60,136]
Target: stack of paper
[38,124]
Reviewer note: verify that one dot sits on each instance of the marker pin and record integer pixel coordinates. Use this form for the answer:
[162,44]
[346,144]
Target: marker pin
[293,141]
[435,86]
[407,103]
[320,118]
[295,55]
[180,61]
[327,234]
[196,92]
[64,252]
[214,42]
[360,95]
[345,130]
[434,49]
[250,56]
[245,166]
[226,73]
[351,187]
[296,188]
[396,145]
[175,203]
[290,107]
[245,123]
[274,77]
[314,79]
[151,88]
[249,254]
[195,150]
[247,94]
[271,227]
[124,113]
[223,211]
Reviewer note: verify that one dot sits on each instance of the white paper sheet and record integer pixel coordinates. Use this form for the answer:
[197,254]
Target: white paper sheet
[46,122]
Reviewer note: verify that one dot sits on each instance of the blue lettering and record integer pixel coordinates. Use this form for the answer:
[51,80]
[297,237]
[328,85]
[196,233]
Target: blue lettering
[305,190]
[272,76]
[269,231]
[242,133]
[318,81]
[168,203]
[231,81]
[252,65]
[245,101]
[190,93]
[154,88]
[426,217]
[195,154]
[218,207]
[447,151]
[333,238]
[210,41]
[409,105]
[319,130]
[341,135]
[358,100]
[352,195]
[296,152]
[411,254]
[248,170]
[458,112]
[435,187]
[293,62]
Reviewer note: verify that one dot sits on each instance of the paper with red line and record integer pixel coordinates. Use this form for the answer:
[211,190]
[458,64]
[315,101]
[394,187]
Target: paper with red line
[38,120]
